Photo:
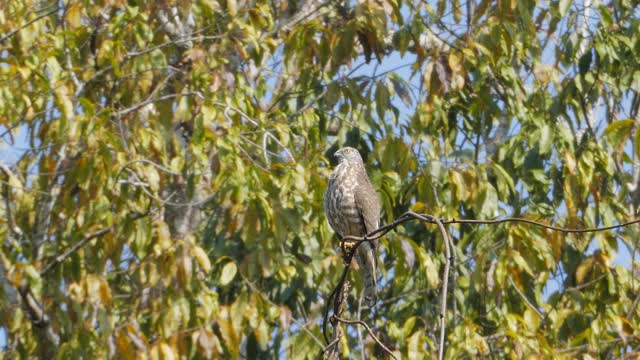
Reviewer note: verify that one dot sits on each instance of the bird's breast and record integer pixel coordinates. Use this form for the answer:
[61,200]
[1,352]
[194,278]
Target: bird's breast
[346,217]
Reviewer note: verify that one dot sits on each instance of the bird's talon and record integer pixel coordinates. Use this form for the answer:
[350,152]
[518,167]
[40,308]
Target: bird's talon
[346,247]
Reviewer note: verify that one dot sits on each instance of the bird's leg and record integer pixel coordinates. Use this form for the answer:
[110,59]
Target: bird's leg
[347,247]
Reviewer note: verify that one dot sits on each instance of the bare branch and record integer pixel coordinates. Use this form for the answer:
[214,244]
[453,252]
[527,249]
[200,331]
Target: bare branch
[138,182]
[45,206]
[150,100]
[38,18]
[309,11]
[587,284]
[331,346]
[634,306]
[526,300]
[445,283]
[373,336]
[62,257]
[13,228]
[37,314]
[349,245]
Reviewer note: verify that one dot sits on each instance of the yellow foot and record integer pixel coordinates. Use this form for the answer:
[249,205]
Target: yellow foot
[347,247]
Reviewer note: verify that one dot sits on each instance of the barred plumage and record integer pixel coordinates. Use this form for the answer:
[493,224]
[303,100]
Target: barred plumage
[352,208]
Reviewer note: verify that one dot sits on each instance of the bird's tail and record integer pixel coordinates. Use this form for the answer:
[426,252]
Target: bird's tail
[367,262]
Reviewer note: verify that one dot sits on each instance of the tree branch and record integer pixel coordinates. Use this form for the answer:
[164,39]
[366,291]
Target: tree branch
[15,31]
[373,336]
[349,245]
[62,257]
[526,300]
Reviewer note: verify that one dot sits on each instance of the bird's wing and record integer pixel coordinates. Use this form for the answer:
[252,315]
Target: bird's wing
[369,206]
[327,210]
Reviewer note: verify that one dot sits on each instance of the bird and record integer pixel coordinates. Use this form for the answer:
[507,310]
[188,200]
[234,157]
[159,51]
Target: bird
[352,208]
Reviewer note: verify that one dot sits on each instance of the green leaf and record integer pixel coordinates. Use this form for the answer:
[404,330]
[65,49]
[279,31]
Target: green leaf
[545,140]
[489,202]
[605,15]
[228,273]
[618,131]
[382,100]
[521,262]
[584,64]
[505,182]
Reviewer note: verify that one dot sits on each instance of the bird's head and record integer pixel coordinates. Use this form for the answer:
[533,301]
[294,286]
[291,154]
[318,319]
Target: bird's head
[348,154]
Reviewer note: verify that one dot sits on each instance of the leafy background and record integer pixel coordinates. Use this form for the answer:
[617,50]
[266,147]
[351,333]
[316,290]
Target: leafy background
[163,166]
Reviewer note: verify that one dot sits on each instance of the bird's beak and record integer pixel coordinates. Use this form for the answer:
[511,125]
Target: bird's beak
[337,154]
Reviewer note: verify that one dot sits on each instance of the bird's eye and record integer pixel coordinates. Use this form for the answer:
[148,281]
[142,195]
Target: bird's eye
[347,151]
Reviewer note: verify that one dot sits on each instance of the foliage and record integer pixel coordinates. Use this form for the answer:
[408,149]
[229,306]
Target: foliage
[163,190]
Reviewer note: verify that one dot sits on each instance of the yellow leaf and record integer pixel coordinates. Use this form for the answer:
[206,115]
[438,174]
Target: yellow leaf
[481,344]
[66,106]
[16,185]
[185,267]
[206,342]
[570,162]
[232,7]
[74,13]
[583,270]
[80,218]
[228,331]
[418,207]
[124,346]
[164,236]
[228,273]
[153,178]
[201,258]
[556,240]
[76,292]
[625,326]
[457,182]
[262,333]
[105,292]
[163,351]
[432,271]
[455,62]
[531,319]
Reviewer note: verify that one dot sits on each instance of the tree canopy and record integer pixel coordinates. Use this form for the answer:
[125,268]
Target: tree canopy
[162,169]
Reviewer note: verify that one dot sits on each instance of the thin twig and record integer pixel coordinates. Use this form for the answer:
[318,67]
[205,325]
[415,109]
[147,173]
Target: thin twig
[587,346]
[373,336]
[381,231]
[536,223]
[147,161]
[62,257]
[634,306]
[152,100]
[526,300]
[360,340]
[329,346]
[331,296]
[445,283]
[448,244]
[13,32]
[37,314]
[587,284]
[142,185]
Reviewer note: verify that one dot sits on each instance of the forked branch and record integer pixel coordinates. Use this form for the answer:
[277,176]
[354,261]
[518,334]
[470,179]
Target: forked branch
[349,245]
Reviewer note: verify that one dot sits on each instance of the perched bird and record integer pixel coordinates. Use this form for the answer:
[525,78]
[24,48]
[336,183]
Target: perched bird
[353,208]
